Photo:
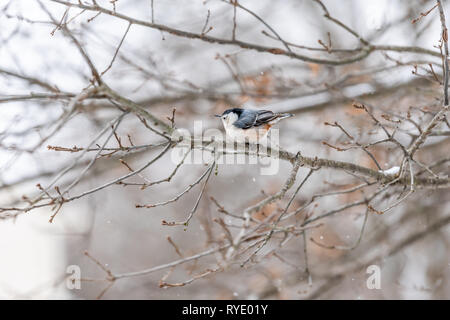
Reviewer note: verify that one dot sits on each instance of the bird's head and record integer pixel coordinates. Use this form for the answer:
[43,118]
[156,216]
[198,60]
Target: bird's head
[229,116]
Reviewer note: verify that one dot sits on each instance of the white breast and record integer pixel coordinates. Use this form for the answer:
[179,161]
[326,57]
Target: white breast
[251,135]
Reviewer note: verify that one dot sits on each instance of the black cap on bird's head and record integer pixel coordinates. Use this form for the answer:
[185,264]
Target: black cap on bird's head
[238,111]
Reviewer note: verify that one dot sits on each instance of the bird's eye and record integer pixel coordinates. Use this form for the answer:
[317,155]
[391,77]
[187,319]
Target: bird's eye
[223,117]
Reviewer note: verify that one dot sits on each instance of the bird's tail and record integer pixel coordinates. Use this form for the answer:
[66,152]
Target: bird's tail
[280,116]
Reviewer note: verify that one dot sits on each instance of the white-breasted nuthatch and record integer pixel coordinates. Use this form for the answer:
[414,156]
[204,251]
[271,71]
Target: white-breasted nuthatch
[248,124]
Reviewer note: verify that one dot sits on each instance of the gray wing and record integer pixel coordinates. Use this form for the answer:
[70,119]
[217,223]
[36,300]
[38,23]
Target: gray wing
[246,119]
[264,116]
[254,118]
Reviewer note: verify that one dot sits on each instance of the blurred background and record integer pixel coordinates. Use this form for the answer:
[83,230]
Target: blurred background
[44,122]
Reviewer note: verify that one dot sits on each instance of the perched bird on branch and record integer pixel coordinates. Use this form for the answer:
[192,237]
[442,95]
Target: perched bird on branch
[249,125]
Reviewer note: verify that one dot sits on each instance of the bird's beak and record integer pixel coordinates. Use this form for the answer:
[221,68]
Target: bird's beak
[217,115]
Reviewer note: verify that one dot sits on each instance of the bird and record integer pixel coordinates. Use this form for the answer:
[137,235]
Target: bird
[249,124]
